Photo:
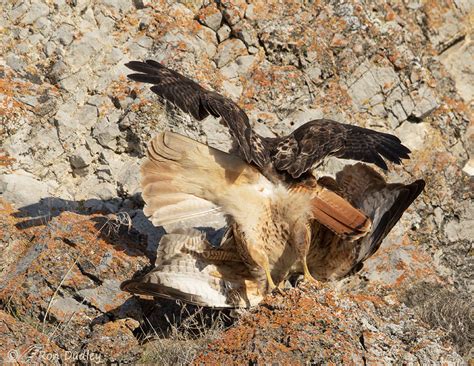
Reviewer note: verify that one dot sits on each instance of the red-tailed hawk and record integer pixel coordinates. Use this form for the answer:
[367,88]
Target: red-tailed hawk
[183,178]
[189,268]
[275,204]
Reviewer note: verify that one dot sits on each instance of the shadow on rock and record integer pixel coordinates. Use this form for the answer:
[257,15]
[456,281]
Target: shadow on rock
[124,227]
[163,318]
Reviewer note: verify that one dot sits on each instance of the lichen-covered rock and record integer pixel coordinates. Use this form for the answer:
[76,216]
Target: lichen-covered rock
[65,276]
[211,17]
[74,132]
[229,50]
[328,327]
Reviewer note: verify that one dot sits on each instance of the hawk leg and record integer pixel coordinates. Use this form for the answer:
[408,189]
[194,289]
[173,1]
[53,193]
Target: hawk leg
[304,248]
[254,256]
[271,285]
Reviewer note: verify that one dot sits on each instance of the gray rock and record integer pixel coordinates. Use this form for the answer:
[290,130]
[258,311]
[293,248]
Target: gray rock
[299,118]
[241,66]
[106,133]
[63,308]
[82,5]
[58,71]
[217,135]
[211,18]
[81,158]
[365,91]
[102,297]
[93,146]
[232,15]
[91,188]
[456,230]
[229,50]
[30,100]
[230,71]
[438,216]
[263,130]
[15,62]
[469,168]
[407,104]
[245,32]
[35,38]
[368,86]
[450,28]
[15,12]
[44,26]
[207,40]
[425,102]
[65,34]
[458,61]
[144,41]
[36,11]
[119,5]
[45,146]
[314,72]
[253,50]
[70,119]
[51,48]
[232,88]
[104,173]
[250,12]
[413,135]
[395,102]
[106,23]
[23,189]
[465,5]
[173,37]
[129,177]
[223,33]
[87,115]
[86,48]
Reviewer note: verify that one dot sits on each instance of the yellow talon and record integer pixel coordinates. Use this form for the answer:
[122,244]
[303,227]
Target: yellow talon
[308,277]
[272,288]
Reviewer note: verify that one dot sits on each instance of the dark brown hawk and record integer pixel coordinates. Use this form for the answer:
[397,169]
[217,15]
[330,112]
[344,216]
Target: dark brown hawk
[294,154]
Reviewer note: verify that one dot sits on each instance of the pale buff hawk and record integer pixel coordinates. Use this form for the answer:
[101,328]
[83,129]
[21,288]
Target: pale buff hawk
[274,202]
[279,223]
[189,268]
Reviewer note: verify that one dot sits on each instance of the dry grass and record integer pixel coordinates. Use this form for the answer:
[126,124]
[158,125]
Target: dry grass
[444,308]
[188,333]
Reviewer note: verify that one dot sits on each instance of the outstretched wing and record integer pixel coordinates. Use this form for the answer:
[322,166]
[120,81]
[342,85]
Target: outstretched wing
[192,98]
[183,179]
[188,268]
[303,148]
[332,257]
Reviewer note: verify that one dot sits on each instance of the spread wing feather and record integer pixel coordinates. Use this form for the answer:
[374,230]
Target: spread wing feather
[296,153]
[192,98]
[190,269]
[332,257]
[303,148]
[183,178]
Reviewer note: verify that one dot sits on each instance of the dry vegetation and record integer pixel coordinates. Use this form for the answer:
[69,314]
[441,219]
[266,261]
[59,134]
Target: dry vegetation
[188,333]
[441,307]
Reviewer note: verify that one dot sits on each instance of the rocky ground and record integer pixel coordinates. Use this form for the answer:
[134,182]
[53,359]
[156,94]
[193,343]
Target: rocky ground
[73,134]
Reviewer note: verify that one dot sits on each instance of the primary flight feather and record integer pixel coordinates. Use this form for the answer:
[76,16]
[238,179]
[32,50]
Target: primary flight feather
[294,154]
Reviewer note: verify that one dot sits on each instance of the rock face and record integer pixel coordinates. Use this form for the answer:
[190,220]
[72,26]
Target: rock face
[73,133]
[329,327]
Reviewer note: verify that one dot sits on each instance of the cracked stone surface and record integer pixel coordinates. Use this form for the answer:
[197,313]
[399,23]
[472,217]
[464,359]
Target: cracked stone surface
[74,130]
